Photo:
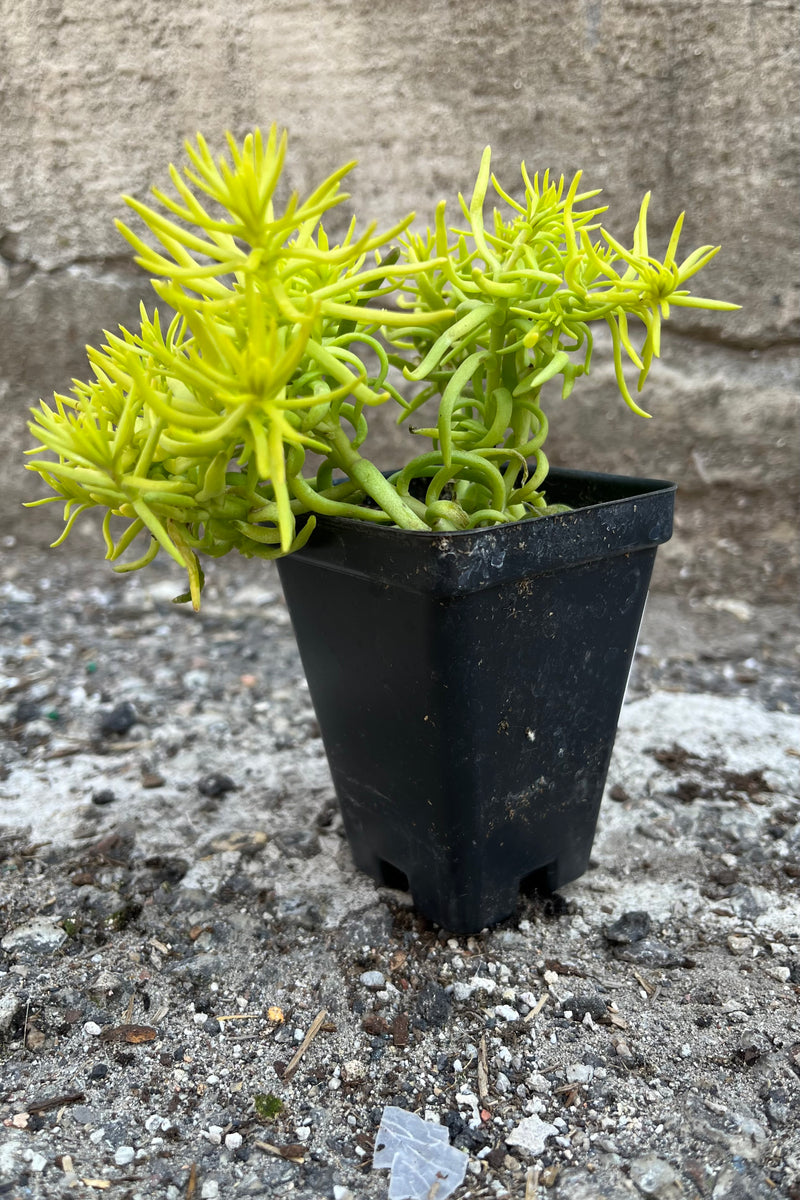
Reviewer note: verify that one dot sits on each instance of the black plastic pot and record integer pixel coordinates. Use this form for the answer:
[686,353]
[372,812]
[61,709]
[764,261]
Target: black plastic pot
[468,685]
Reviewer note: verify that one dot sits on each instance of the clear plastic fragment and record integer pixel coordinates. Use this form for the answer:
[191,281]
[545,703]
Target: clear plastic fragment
[399,1129]
[432,1175]
[423,1164]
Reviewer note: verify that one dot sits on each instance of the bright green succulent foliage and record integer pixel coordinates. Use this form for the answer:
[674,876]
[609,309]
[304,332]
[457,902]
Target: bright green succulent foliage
[194,432]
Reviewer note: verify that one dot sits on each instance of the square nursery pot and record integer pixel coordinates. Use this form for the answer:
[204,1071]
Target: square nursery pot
[468,685]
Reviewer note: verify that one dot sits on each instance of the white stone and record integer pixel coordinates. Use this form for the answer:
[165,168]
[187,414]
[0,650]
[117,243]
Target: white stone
[506,1012]
[373,979]
[39,936]
[538,1083]
[10,1004]
[354,1068]
[124,1155]
[654,1177]
[233,1141]
[92,1029]
[36,1161]
[209,1190]
[579,1073]
[531,1134]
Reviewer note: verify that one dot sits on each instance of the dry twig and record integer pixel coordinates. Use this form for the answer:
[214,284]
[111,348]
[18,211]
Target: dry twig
[540,1003]
[648,987]
[483,1072]
[293,1153]
[41,1106]
[306,1042]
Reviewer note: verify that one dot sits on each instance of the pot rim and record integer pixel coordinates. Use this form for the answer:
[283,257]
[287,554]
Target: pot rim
[630,515]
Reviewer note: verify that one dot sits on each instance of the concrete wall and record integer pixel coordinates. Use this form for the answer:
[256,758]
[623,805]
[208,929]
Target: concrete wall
[694,99]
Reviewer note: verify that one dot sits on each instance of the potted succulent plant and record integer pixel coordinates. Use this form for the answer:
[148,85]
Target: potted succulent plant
[466,622]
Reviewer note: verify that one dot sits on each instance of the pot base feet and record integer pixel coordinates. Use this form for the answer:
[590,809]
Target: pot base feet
[391,876]
[463,913]
[469,913]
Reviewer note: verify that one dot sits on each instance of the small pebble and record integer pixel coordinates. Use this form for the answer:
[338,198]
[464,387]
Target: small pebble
[103,797]
[354,1068]
[372,979]
[119,720]
[580,1073]
[506,1012]
[209,1190]
[631,927]
[233,1141]
[298,843]
[538,1083]
[124,1155]
[216,784]
[25,711]
[650,953]
[654,1177]
[531,1134]
[588,1004]
[92,1029]
[749,1048]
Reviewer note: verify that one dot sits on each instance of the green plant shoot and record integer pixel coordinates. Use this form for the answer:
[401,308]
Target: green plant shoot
[193,430]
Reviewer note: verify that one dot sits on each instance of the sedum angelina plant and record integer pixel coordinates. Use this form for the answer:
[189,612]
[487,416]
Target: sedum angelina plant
[193,431]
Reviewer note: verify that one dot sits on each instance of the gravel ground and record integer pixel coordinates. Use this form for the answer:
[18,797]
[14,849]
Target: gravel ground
[179,912]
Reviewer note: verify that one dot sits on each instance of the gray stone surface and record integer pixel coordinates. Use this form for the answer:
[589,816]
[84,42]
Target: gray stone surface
[181,912]
[696,100]
[39,936]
